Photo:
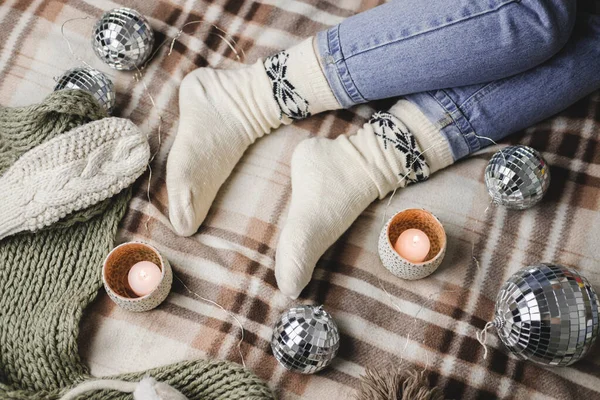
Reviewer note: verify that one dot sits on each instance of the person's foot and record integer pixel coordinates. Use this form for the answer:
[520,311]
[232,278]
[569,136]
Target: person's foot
[222,112]
[333,181]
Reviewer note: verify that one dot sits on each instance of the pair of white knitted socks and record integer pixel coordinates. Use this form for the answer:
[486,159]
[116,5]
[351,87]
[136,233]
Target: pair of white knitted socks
[222,112]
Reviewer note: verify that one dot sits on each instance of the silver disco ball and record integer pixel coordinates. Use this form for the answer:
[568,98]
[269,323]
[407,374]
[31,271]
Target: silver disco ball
[517,177]
[305,339]
[92,81]
[123,39]
[547,314]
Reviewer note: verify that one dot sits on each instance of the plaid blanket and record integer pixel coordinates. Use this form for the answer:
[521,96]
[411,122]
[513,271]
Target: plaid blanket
[384,321]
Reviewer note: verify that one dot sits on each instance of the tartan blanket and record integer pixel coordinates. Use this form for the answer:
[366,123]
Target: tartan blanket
[384,321]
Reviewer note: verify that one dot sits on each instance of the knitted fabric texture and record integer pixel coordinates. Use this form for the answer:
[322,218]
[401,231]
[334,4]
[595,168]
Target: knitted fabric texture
[24,128]
[147,389]
[71,172]
[47,278]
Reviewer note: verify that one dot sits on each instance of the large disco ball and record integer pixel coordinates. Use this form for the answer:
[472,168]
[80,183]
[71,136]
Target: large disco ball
[547,314]
[92,81]
[305,339]
[123,39]
[517,177]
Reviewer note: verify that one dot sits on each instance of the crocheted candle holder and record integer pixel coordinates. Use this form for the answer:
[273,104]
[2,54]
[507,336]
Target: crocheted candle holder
[417,219]
[116,269]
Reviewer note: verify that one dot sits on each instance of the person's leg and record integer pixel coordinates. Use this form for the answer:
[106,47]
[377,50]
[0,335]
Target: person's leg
[398,48]
[411,46]
[333,181]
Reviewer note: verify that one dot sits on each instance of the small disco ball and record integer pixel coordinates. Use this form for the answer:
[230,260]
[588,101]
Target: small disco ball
[123,38]
[547,314]
[517,177]
[92,81]
[306,339]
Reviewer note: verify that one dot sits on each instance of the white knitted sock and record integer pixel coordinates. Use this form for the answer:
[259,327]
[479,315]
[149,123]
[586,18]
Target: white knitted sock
[71,172]
[222,112]
[333,181]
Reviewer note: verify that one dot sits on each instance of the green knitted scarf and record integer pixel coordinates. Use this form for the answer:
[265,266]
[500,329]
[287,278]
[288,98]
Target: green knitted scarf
[47,279]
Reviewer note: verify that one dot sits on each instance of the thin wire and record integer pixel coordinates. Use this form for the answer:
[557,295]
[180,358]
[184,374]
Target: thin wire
[397,307]
[495,143]
[415,318]
[62,32]
[148,199]
[239,345]
[477,221]
[237,55]
[475,260]
[228,39]
[482,338]
[410,169]
[232,41]
[486,138]
[139,77]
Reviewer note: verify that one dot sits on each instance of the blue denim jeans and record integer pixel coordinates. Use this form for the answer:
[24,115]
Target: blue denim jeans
[475,68]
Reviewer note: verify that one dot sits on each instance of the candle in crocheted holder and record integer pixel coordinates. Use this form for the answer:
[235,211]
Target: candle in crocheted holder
[412,220]
[139,257]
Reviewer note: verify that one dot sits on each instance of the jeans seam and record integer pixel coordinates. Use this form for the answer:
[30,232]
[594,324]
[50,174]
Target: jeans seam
[340,65]
[363,99]
[451,113]
[435,29]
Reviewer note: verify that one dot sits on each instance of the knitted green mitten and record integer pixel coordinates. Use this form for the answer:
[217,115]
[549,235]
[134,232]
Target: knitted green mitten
[47,279]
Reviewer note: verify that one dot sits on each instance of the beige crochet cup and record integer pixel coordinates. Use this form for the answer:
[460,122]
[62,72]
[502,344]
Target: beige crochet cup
[116,269]
[407,219]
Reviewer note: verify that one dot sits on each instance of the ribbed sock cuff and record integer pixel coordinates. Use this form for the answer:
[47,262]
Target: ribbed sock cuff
[307,76]
[433,144]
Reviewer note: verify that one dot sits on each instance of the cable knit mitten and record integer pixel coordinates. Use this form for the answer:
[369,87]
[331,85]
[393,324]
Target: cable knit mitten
[71,172]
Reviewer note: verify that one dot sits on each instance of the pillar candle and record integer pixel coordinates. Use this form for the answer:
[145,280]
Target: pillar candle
[144,277]
[413,245]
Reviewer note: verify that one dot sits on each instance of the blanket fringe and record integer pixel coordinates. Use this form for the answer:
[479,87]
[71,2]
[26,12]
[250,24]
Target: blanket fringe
[396,384]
